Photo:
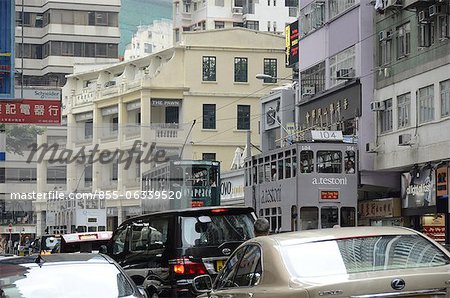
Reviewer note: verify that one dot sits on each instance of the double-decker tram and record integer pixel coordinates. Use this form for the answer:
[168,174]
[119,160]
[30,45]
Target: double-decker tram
[181,184]
[306,185]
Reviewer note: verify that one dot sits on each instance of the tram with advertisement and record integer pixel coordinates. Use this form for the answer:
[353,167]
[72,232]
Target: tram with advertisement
[179,184]
[306,185]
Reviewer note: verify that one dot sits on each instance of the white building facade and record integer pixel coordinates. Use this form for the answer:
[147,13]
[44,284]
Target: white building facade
[264,15]
[150,39]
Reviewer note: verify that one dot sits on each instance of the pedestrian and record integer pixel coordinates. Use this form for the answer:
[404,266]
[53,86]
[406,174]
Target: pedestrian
[261,227]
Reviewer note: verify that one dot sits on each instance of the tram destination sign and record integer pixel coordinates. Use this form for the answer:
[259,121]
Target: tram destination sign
[325,135]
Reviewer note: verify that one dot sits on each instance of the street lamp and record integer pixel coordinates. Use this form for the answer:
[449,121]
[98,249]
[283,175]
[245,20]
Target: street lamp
[262,76]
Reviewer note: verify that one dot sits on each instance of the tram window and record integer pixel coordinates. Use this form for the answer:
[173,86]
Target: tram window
[261,212]
[267,172]
[287,167]
[280,169]
[273,170]
[255,175]
[294,166]
[349,162]
[280,155]
[306,161]
[267,212]
[260,174]
[329,161]
[329,217]
[309,218]
[348,215]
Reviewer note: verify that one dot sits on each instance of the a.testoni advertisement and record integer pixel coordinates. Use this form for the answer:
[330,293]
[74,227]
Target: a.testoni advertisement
[418,188]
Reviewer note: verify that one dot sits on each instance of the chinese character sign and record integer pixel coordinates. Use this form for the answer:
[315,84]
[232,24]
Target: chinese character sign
[7,27]
[30,111]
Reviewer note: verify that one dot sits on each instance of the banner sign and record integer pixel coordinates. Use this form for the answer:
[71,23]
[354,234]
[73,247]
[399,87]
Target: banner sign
[418,188]
[292,45]
[29,111]
[7,27]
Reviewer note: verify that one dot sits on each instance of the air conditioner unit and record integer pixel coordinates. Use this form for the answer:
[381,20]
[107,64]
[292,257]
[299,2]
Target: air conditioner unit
[377,106]
[345,73]
[393,4]
[237,10]
[308,91]
[405,139]
[436,9]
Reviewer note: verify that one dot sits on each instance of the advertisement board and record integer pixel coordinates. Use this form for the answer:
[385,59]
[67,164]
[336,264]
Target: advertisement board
[29,111]
[7,27]
[418,188]
[292,45]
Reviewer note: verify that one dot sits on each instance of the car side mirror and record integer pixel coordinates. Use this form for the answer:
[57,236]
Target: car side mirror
[202,283]
[103,249]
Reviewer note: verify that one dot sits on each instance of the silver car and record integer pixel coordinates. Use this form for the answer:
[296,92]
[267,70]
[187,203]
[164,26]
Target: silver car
[357,262]
[65,275]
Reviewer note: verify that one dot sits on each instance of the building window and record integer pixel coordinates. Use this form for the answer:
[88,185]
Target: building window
[219,24]
[426,104]
[270,68]
[312,16]
[426,34]
[88,129]
[56,175]
[403,40]
[403,110]
[115,171]
[385,47]
[338,6]
[208,156]
[252,25]
[443,27]
[445,98]
[88,175]
[115,124]
[313,79]
[243,117]
[209,116]
[340,64]
[268,26]
[209,68]
[240,69]
[386,117]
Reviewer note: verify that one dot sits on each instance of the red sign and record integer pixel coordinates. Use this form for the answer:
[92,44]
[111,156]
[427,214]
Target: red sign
[30,111]
[10,228]
[329,195]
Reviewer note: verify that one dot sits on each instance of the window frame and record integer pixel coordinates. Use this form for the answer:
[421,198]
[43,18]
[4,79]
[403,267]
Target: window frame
[271,69]
[212,114]
[240,69]
[209,68]
[243,117]
[404,110]
[425,110]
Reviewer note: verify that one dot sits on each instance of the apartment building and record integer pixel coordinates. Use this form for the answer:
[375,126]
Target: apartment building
[196,100]
[336,45]
[412,108]
[150,39]
[264,15]
[52,36]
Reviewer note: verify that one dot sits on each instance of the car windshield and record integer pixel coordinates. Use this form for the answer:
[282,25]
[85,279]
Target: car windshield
[216,229]
[354,255]
[68,280]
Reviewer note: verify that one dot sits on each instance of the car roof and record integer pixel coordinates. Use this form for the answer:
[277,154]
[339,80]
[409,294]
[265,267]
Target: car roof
[309,236]
[191,212]
[59,258]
